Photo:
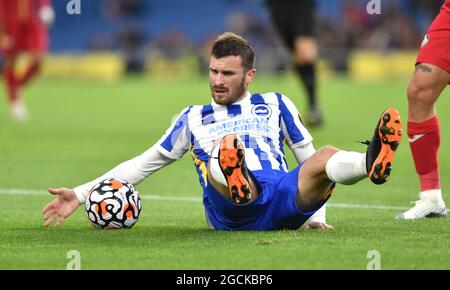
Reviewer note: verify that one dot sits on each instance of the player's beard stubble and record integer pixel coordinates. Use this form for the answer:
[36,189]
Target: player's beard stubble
[228,95]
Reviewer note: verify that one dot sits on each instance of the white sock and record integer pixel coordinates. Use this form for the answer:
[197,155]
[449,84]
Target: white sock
[214,167]
[346,167]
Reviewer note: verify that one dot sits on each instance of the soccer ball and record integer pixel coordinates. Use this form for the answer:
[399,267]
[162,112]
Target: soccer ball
[113,204]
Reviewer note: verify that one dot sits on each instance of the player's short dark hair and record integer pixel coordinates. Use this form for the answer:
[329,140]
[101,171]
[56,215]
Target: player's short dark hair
[229,43]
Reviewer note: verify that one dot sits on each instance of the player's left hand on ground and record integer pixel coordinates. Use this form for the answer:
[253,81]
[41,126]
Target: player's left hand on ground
[318,225]
[65,203]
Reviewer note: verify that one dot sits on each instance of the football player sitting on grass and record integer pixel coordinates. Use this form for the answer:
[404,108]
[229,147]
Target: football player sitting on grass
[237,145]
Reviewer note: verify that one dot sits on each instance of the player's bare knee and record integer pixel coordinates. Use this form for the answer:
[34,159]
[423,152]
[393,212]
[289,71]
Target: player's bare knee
[413,92]
[314,167]
[305,50]
[420,94]
[327,151]
[303,57]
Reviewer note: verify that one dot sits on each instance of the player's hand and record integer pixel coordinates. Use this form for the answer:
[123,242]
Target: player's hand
[47,15]
[64,205]
[318,226]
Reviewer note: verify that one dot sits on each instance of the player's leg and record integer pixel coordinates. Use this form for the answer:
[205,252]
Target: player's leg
[10,77]
[294,21]
[18,110]
[305,57]
[424,138]
[313,182]
[330,165]
[424,89]
[32,69]
[305,52]
[35,44]
[227,171]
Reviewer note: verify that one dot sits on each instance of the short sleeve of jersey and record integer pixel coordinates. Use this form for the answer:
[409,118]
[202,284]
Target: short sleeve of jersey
[176,141]
[291,124]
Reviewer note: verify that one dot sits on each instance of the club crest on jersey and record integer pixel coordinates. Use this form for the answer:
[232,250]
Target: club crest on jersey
[262,110]
[425,40]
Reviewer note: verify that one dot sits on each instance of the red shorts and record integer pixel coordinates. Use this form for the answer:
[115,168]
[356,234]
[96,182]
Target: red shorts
[26,37]
[436,43]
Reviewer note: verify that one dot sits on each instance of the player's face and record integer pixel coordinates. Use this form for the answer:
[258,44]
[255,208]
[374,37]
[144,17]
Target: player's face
[228,80]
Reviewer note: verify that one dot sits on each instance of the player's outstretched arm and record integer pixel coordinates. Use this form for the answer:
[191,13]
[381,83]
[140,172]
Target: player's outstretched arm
[133,171]
[65,203]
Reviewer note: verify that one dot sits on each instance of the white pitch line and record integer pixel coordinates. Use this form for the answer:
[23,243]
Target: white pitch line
[171,198]
[23,192]
[366,206]
[37,192]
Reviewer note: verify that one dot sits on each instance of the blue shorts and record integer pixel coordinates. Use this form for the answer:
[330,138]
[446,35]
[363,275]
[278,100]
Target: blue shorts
[275,207]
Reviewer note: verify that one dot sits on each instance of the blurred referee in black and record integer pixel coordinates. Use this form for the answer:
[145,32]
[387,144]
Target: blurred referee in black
[294,20]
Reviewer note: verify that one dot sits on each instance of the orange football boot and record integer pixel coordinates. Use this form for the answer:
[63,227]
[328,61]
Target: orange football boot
[381,150]
[232,164]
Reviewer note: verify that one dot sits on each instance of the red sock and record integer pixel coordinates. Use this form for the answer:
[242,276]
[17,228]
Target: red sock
[424,140]
[32,70]
[12,85]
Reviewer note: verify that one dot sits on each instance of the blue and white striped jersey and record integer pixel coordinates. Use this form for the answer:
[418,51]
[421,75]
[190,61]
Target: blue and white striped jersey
[263,122]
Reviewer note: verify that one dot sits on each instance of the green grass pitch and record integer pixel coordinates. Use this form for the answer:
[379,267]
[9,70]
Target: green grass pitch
[80,129]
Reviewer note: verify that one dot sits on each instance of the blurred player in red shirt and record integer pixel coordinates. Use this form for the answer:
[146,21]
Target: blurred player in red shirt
[431,77]
[23,29]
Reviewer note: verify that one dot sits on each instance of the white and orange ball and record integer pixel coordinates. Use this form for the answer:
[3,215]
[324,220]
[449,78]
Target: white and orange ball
[113,204]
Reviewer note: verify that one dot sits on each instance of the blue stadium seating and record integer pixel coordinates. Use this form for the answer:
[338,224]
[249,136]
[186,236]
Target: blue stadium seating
[196,18]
